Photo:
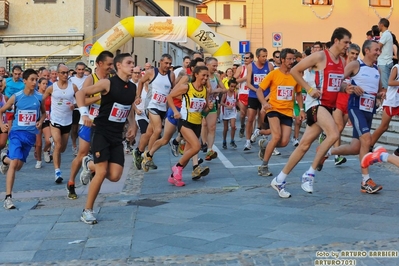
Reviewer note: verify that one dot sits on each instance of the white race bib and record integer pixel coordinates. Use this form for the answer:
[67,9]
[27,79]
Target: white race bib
[258,78]
[159,98]
[197,104]
[334,82]
[27,118]
[284,93]
[47,115]
[94,111]
[119,113]
[366,102]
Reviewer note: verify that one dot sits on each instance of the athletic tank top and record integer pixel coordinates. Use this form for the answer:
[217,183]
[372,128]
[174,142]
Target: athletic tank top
[328,81]
[193,102]
[61,101]
[258,74]
[230,102]
[115,106]
[141,107]
[392,96]
[47,106]
[243,89]
[160,88]
[214,84]
[368,78]
[27,111]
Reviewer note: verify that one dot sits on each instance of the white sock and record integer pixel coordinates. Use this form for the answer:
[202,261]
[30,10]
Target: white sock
[248,141]
[281,177]
[336,156]
[329,152]
[311,170]
[384,157]
[365,177]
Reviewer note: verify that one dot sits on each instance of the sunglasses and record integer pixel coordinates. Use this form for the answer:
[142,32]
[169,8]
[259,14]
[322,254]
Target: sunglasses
[247,57]
[63,72]
[277,57]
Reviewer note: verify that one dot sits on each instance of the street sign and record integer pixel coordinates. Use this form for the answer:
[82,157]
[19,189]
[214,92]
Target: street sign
[87,48]
[277,39]
[244,47]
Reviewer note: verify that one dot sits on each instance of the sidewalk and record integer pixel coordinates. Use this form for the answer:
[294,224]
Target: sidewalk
[230,217]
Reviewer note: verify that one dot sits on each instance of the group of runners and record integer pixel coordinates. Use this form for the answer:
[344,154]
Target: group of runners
[321,90]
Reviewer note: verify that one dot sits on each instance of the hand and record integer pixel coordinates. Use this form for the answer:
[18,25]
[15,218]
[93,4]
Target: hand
[358,91]
[87,121]
[39,124]
[72,107]
[176,115]
[130,134]
[139,112]
[137,101]
[4,128]
[230,107]
[266,107]
[302,115]
[315,93]
[382,95]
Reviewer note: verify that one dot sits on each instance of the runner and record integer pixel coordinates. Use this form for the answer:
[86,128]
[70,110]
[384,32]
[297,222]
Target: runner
[117,97]
[3,135]
[279,106]
[194,103]
[104,62]
[12,85]
[365,84]
[229,113]
[30,112]
[62,94]
[322,87]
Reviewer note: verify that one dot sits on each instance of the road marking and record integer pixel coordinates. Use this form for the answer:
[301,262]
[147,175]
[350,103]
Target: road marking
[228,164]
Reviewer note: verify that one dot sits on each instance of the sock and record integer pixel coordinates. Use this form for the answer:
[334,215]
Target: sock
[281,177]
[195,166]
[372,148]
[175,142]
[179,165]
[8,196]
[384,157]
[149,155]
[248,141]
[232,141]
[336,156]
[139,152]
[224,141]
[311,170]
[365,178]
[329,152]
[265,163]
[57,170]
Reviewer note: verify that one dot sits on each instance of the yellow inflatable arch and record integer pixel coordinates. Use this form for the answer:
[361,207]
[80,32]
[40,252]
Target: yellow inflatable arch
[171,29]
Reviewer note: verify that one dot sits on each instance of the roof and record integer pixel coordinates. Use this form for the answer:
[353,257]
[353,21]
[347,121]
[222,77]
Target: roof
[207,19]
[152,8]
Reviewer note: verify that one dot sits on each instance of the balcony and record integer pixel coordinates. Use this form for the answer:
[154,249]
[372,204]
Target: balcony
[4,13]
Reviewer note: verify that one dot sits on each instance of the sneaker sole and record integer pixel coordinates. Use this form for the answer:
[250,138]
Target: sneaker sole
[341,162]
[371,192]
[59,180]
[204,173]
[174,182]
[144,166]
[306,190]
[88,222]
[278,191]
[260,174]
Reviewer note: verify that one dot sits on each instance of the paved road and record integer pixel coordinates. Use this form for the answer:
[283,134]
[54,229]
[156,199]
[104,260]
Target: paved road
[230,217]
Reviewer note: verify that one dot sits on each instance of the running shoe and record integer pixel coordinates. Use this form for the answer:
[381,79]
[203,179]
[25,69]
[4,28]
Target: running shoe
[58,177]
[233,145]
[137,158]
[247,146]
[71,191]
[182,145]
[4,167]
[307,182]
[204,147]
[396,152]
[370,187]
[177,178]
[263,170]
[199,172]
[86,175]
[322,137]
[88,217]
[224,145]
[255,135]
[211,155]
[242,132]
[276,152]
[295,142]
[75,150]
[8,204]
[280,188]
[174,148]
[152,165]
[372,157]
[321,163]
[47,156]
[38,165]
[340,160]
[145,163]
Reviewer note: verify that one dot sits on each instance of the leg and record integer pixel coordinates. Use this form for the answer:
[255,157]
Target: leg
[385,120]
[168,132]
[211,120]
[225,129]
[156,123]
[233,129]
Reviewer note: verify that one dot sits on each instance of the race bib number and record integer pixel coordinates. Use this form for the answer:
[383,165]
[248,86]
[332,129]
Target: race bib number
[334,82]
[159,98]
[284,93]
[231,103]
[303,97]
[94,111]
[27,118]
[119,113]
[197,104]
[258,78]
[47,115]
[366,102]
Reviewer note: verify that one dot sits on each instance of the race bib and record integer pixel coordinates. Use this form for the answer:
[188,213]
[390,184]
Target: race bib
[303,97]
[258,78]
[197,104]
[159,98]
[334,82]
[231,104]
[119,113]
[366,102]
[284,93]
[94,111]
[27,118]
[47,115]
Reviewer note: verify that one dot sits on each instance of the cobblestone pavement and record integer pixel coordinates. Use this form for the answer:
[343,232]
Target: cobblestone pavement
[231,217]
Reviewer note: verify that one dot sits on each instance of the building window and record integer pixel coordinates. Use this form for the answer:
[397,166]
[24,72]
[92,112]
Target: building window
[317,2]
[108,5]
[380,3]
[136,11]
[184,11]
[44,1]
[243,21]
[226,11]
[118,8]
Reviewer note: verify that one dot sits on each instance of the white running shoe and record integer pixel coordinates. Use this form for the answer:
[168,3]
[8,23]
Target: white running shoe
[247,146]
[8,204]
[276,152]
[255,135]
[38,165]
[295,142]
[307,182]
[280,188]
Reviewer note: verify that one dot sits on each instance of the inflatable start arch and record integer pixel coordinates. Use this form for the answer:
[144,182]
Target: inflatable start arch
[169,29]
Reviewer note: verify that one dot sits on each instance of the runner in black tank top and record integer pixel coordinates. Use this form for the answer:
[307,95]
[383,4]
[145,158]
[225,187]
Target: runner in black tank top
[118,95]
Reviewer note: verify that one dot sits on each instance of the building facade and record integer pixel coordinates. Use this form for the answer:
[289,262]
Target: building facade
[298,23]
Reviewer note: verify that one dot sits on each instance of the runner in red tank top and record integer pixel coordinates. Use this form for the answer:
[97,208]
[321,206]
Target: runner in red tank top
[322,85]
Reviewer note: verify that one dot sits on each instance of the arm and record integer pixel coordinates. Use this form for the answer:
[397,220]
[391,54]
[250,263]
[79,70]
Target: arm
[350,70]
[174,93]
[90,100]
[7,105]
[392,77]
[238,73]
[249,75]
[42,115]
[265,83]
[47,93]
[147,77]
[223,100]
